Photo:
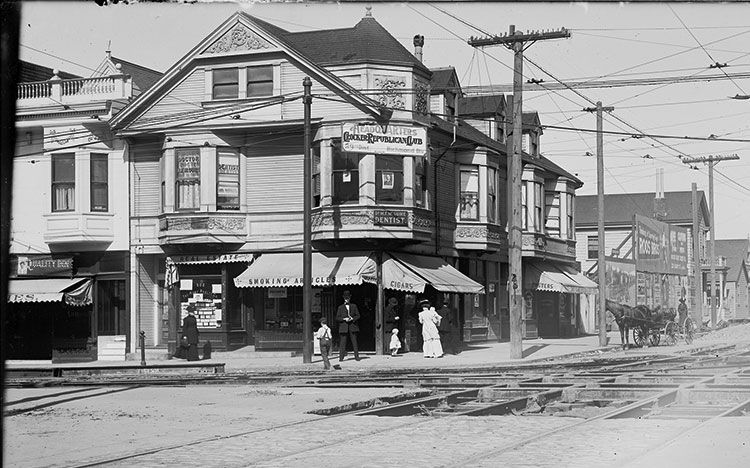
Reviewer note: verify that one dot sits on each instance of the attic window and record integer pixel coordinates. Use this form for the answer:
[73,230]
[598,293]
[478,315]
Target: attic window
[259,81]
[226,83]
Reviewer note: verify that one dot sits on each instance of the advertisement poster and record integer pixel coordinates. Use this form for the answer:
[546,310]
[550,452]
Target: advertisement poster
[660,247]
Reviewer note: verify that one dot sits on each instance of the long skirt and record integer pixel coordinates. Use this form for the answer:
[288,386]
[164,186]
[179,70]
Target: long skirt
[432,348]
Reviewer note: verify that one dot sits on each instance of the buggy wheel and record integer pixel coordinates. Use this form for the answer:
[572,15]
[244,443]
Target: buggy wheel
[670,333]
[654,336]
[640,336]
[689,327]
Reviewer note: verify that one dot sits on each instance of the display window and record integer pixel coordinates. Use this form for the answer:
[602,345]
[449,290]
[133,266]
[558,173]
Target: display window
[206,294]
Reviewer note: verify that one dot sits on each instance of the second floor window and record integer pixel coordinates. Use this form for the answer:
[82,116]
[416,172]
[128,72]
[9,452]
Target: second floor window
[99,182]
[491,195]
[419,178]
[389,179]
[569,218]
[259,81]
[345,177]
[593,247]
[524,208]
[538,202]
[226,83]
[469,193]
[228,179]
[316,175]
[63,182]
[188,183]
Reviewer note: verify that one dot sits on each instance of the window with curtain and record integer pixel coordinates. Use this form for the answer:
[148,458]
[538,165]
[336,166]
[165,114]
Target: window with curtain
[491,195]
[469,179]
[389,179]
[63,182]
[99,182]
[345,177]
[227,179]
[188,183]
[226,83]
[260,81]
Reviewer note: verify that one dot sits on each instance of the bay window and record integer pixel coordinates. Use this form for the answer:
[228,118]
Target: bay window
[316,175]
[524,207]
[419,175]
[99,182]
[260,81]
[63,182]
[389,179]
[345,177]
[570,223]
[226,83]
[491,195]
[538,201]
[188,180]
[227,179]
[469,178]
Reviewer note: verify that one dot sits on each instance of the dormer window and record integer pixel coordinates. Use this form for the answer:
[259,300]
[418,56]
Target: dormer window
[226,83]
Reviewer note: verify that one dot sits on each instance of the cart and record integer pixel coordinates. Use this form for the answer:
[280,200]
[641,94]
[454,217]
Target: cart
[648,327]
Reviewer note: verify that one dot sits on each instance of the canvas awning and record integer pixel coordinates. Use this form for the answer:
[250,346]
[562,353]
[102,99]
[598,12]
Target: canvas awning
[543,276]
[285,270]
[212,258]
[434,271]
[74,291]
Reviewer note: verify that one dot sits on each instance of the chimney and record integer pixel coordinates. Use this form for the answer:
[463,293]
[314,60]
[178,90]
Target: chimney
[418,44]
[660,204]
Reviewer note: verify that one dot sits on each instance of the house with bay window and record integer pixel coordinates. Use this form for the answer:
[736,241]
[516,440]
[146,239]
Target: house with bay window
[408,201]
[69,249]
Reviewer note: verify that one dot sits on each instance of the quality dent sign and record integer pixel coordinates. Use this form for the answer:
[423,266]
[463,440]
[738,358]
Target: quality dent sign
[373,139]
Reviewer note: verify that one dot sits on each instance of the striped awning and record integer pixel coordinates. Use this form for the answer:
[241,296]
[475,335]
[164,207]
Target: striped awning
[544,276]
[285,270]
[75,291]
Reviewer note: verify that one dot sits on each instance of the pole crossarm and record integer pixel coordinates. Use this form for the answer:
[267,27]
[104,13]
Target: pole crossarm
[594,109]
[510,38]
[709,159]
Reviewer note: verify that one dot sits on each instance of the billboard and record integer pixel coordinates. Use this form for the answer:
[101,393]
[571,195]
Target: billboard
[660,247]
[620,280]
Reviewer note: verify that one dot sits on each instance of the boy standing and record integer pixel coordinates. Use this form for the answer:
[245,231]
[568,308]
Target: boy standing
[324,336]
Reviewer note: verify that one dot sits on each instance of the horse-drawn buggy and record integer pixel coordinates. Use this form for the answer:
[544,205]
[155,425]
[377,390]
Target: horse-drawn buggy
[649,325]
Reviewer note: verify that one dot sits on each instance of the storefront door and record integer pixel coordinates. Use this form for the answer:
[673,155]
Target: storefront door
[548,314]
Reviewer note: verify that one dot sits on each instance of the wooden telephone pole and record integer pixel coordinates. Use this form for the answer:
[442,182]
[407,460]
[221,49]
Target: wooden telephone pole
[516,41]
[601,267]
[711,161]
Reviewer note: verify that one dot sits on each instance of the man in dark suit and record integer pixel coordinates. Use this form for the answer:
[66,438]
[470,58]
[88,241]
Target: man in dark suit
[190,332]
[348,317]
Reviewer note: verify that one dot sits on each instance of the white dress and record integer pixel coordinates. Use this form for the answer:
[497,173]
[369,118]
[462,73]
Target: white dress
[431,346]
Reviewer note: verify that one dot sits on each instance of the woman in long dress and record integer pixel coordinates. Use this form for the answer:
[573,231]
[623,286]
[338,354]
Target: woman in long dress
[429,318]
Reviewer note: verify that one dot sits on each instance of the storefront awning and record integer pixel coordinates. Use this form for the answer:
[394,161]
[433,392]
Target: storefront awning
[434,271]
[543,276]
[285,270]
[75,291]
[212,258]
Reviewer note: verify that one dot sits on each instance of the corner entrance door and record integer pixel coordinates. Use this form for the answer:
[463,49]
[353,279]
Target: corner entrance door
[111,315]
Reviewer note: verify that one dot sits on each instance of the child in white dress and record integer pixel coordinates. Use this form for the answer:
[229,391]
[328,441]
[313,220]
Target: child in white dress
[395,342]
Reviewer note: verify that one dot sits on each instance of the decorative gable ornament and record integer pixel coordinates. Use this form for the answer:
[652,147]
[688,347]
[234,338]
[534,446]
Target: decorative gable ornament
[238,39]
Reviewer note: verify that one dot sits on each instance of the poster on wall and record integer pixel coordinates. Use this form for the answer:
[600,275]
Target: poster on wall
[621,281]
[205,295]
[660,247]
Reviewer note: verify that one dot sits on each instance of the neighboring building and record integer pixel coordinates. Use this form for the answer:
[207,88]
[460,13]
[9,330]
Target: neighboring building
[735,253]
[216,164]
[69,225]
[674,208]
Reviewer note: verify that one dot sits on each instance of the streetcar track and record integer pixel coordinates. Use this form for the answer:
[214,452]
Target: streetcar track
[17,411]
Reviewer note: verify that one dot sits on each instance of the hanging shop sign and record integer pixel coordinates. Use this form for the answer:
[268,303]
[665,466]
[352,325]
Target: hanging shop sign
[43,265]
[374,139]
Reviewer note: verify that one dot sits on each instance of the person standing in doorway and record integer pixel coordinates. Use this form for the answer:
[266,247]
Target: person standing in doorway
[348,317]
[445,328]
[190,332]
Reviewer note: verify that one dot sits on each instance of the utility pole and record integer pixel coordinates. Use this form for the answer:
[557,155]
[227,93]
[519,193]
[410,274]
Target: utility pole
[697,308]
[307,344]
[711,161]
[601,266]
[516,42]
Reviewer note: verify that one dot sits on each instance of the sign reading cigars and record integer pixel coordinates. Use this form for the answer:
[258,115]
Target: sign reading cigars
[396,139]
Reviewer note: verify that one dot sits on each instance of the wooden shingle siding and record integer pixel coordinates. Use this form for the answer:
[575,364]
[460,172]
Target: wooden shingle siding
[186,96]
[146,299]
[146,182]
[291,82]
[274,175]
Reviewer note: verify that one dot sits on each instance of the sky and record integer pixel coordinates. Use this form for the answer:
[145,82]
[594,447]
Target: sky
[609,41]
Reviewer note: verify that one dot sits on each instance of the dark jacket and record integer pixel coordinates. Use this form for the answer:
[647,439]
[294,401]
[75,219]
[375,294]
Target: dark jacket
[190,329]
[341,314]
[445,322]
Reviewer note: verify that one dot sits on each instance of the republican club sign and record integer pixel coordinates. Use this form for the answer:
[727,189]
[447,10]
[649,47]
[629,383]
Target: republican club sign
[373,139]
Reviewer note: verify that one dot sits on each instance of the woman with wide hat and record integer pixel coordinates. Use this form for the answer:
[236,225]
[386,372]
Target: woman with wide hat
[429,318]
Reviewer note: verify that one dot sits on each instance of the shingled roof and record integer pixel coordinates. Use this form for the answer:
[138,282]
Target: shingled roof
[142,77]
[735,251]
[29,72]
[619,208]
[482,105]
[443,79]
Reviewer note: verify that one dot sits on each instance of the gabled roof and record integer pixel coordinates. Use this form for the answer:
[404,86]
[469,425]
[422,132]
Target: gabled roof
[142,77]
[619,208]
[482,106]
[444,79]
[530,120]
[29,72]
[735,251]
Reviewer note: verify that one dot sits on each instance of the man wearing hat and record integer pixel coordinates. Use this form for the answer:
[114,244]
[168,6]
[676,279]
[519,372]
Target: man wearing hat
[190,332]
[348,317]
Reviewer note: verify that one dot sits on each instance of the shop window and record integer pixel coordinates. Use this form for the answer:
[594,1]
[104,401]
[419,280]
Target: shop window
[345,177]
[63,182]
[260,81]
[226,83]
[389,179]
[593,247]
[491,195]
[228,179]
[188,184]
[99,182]
[469,193]
[206,295]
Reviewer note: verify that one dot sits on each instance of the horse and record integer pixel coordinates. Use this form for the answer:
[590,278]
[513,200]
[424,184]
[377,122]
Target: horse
[622,314]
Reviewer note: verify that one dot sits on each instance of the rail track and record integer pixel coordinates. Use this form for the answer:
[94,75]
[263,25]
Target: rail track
[700,387]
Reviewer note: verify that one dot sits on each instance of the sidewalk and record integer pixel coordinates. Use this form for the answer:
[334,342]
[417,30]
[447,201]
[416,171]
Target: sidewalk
[486,354]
